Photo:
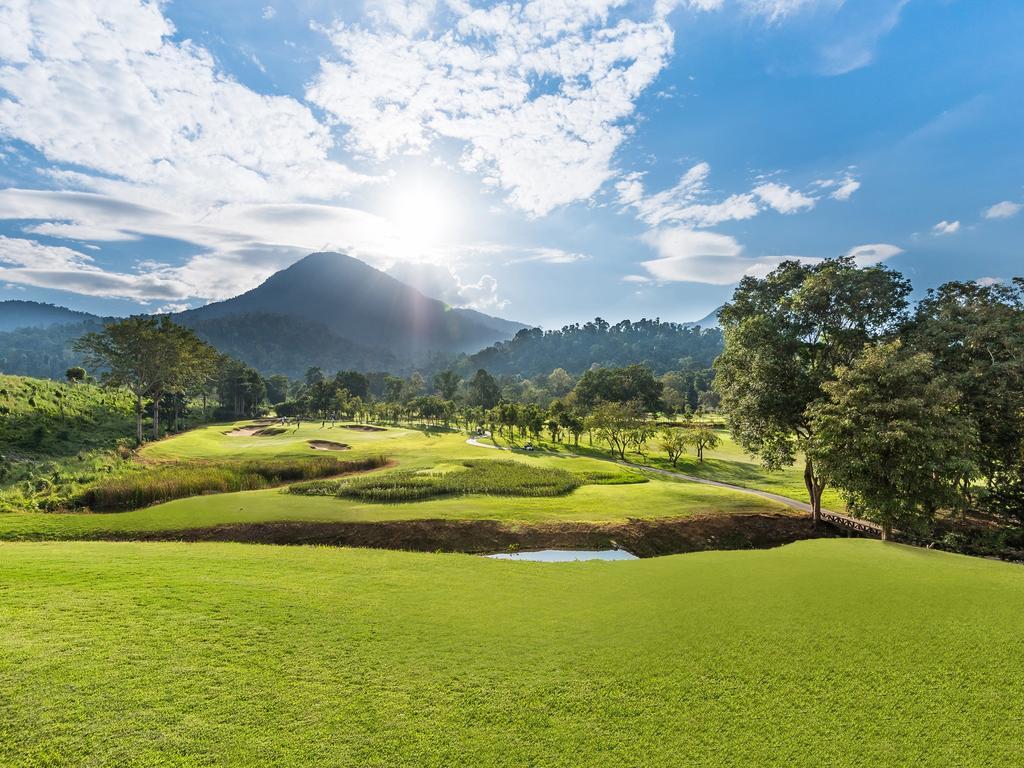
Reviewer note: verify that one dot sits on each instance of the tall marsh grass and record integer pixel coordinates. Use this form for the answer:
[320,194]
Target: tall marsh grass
[179,481]
[495,478]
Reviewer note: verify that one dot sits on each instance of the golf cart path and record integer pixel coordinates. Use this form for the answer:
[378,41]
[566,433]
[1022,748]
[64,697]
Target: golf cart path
[827,515]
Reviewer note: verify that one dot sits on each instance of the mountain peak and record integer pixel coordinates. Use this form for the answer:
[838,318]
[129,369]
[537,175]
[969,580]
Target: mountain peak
[360,303]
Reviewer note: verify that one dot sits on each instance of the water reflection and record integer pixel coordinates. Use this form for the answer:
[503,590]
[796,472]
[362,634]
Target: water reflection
[566,555]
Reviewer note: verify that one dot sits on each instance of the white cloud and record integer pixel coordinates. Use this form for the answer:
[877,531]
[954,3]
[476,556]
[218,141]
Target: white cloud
[683,203]
[845,190]
[873,253]
[679,204]
[103,88]
[537,94]
[550,256]
[442,282]
[946,228]
[988,282]
[27,262]
[783,198]
[688,255]
[172,308]
[269,12]
[1004,210]
[240,245]
[636,279]
[842,187]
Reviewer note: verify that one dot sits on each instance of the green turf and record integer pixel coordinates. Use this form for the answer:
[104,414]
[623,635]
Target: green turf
[829,652]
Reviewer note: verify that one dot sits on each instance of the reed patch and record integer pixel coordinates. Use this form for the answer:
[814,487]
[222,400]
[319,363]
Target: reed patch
[178,481]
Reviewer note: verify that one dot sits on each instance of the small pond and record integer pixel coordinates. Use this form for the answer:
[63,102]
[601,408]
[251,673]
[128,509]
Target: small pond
[566,555]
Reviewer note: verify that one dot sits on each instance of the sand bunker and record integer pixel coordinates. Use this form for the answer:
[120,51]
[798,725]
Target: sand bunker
[363,428]
[257,430]
[328,445]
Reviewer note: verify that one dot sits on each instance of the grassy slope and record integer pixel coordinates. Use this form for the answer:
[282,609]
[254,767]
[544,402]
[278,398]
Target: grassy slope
[47,455]
[412,450]
[839,652]
[93,417]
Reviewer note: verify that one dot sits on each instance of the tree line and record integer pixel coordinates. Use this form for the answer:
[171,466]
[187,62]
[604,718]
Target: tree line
[907,411]
[166,367]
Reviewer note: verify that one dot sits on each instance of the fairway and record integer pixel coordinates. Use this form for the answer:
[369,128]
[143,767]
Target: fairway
[818,653]
[410,450]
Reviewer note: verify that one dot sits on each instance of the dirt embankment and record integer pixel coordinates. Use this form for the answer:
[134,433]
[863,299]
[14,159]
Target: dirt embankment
[644,538]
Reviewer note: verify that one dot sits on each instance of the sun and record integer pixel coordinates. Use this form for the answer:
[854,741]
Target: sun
[421,213]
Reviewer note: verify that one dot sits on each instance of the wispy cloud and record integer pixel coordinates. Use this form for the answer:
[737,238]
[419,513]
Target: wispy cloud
[538,95]
[873,253]
[1004,210]
[946,228]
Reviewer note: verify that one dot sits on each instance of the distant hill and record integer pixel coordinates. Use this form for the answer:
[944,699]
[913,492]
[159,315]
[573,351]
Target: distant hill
[369,308]
[710,320]
[660,346]
[43,352]
[16,314]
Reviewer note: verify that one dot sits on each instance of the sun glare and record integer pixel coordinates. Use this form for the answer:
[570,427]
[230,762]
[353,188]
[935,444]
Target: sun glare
[421,213]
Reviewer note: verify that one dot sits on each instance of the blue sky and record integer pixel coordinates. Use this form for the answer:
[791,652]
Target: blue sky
[545,161]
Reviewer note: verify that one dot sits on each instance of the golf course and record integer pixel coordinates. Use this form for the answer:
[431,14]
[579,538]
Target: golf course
[186,652]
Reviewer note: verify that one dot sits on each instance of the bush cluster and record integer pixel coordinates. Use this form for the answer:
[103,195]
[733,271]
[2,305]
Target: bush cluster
[182,480]
[489,477]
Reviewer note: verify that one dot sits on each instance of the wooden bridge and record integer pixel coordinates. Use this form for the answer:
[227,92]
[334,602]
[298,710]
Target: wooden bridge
[851,523]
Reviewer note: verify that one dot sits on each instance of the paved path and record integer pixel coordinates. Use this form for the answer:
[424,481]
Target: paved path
[836,518]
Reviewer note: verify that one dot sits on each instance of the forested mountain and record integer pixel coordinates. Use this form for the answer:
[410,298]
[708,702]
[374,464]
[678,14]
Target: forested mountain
[327,310]
[16,314]
[371,309]
[44,353]
[660,346]
[273,344]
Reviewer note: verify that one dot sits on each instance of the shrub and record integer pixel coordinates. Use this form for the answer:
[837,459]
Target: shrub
[610,478]
[182,480]
[495,478]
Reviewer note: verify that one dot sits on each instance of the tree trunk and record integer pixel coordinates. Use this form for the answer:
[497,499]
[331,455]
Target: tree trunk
[814,491]
[886,531]
[156,416]
[138,419]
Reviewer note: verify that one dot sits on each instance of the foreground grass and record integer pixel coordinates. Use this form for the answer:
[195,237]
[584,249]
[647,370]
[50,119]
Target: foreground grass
[841,652]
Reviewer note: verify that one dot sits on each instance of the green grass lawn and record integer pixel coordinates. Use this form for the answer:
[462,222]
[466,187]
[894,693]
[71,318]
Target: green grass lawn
[828,652]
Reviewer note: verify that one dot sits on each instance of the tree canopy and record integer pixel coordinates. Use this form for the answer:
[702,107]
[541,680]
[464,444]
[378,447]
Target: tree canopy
[785,336]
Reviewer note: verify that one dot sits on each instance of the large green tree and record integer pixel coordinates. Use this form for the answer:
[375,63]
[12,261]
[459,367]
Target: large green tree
[975,333]
[785,336]
[483,390]
[151,356]
[632,384]
[891,435]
